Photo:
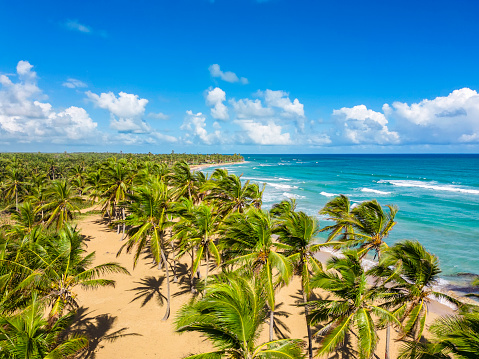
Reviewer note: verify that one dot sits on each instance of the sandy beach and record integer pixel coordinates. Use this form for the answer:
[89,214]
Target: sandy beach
[125,321]
[206,165]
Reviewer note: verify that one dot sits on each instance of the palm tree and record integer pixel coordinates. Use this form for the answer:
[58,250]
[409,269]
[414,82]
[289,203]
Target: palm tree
[13,185]
[354,306]
[283,208]
[297,233]
[247,240]
[27,334]
[372,225]
[117,183]
[149,220]
[61,203]
[411,272]
[184,181]
[230,315]
[454,336]
[230,195]
[338,210]
[200,228]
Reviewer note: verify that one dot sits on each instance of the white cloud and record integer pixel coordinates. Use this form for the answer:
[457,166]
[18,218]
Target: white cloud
[228,76]
[129,109]
[76,26]
[265,134]
[195,125]
[158,116]
[74,83]
[444,120]
[215,98]
[24,118]
[125,105]
[281,100]
[359,125]
[246,108]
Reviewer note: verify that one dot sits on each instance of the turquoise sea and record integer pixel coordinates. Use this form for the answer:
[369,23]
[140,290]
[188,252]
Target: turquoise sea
[437,196]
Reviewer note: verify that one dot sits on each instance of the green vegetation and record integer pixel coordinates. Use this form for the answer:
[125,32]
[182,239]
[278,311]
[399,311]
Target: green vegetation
[160,206]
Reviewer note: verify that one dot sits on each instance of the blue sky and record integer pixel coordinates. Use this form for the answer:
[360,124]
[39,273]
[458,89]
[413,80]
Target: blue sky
[243,76]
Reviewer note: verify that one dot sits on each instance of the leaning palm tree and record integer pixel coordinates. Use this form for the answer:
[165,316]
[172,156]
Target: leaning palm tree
[247,241]
[411,272]
[14,184]
[231,315]
[149,218]
[354,305]
[298,233]
[26,334]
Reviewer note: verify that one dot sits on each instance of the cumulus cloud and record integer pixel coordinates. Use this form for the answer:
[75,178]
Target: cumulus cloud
[228,76]
[215,98]
[25,118]
[281,100]
[265,134]
[74,83]
[246,108]
[360,125]
[126,110]
[443,120]
[195,126]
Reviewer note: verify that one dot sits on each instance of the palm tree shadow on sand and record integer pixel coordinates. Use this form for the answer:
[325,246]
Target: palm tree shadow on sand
[98,330]
[149,288]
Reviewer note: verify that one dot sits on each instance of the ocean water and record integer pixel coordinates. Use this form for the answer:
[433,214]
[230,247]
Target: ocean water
[437,195]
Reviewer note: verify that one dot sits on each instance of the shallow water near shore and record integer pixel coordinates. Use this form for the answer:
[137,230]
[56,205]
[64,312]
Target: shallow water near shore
[437,196]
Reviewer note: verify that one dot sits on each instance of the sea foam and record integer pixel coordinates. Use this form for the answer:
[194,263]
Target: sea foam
[370,190]
[430,185]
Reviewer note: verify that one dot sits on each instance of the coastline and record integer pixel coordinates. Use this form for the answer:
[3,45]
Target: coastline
[207,165]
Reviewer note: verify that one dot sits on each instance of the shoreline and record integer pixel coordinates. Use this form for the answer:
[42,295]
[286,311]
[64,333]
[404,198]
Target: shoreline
[207,165]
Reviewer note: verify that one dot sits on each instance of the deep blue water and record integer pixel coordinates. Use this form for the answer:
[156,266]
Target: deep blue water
[437,195]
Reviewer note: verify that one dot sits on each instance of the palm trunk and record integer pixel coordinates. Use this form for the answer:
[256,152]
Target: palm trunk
[388,334]
[310,337]
[16,200]
[192,275]
[123,217]
[207,268]
[167,313]
[271,325]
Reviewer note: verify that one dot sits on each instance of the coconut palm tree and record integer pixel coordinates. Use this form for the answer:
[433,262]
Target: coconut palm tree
[149,218]
[230,195]
[13,185]
[231,315]
[27,334]
[200,227]
[297,233]
[411,272]
[61,203]
[354,305]
[247,241]
[117,183]
[184,181]
[338,210]
[372,225]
